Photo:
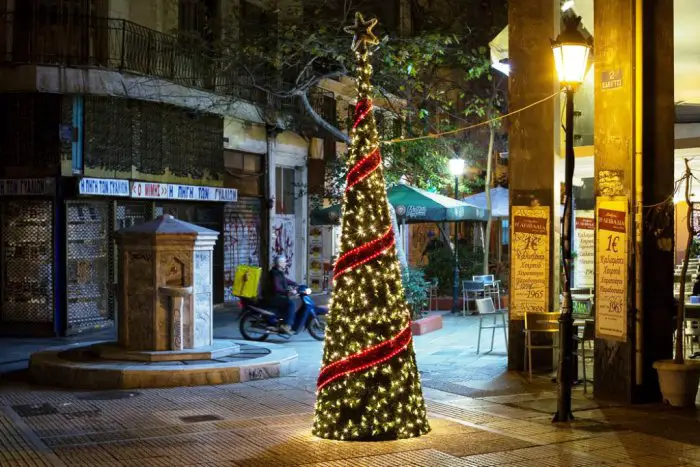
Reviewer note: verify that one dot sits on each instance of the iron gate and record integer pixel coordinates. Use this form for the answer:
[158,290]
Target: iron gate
[87,264]
[27,261]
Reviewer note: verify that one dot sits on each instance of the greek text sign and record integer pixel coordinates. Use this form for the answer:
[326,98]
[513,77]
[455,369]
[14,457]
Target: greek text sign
[584,245]
[152,190]
[611,268]
[416,212]
[27,187]
[530,260]
[103,187]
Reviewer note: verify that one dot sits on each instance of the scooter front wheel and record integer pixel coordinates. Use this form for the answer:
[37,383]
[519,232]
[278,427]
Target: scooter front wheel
[251,327]
[317,327]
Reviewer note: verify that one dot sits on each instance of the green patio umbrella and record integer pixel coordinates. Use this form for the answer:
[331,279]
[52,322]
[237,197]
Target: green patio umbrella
[413,206]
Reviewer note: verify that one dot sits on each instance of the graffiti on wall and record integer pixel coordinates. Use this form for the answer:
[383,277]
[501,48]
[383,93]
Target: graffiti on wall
[283,242]
[241,245]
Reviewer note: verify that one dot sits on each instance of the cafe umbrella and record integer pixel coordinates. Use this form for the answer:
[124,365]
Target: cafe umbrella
[413,206]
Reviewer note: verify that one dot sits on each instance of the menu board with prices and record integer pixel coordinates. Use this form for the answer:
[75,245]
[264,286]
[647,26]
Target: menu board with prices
[584,246]
[529,280]
[316,258]
[611,268]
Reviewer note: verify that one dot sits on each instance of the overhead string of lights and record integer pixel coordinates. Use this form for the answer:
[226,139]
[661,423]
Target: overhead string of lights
[471,127]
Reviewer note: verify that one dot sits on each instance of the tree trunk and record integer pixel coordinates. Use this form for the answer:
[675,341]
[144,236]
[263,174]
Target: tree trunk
[489,219]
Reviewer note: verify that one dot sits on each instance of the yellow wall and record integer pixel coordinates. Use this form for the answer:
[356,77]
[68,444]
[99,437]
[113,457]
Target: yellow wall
[681,229]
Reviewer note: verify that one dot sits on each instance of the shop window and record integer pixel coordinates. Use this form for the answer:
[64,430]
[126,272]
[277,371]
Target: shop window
[284,190]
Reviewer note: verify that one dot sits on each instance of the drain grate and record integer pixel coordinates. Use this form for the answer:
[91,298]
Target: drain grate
[109,396]
[201,418]
[34,410]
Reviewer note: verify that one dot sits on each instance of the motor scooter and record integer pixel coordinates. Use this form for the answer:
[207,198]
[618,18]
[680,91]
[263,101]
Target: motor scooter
[258,321]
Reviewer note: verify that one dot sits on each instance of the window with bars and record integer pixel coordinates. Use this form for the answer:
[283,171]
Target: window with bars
[121,134]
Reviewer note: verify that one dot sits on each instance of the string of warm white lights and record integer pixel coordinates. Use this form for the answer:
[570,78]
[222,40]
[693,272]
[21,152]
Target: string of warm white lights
[369,386]
[471,127]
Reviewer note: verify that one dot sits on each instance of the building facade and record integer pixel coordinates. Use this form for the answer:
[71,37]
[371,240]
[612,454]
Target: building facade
[114,117]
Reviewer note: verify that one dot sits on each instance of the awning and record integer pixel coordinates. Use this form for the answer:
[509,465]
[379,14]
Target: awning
[499,201]
[414,206]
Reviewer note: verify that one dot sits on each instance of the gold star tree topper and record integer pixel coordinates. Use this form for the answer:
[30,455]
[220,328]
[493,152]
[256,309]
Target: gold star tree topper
[362,32]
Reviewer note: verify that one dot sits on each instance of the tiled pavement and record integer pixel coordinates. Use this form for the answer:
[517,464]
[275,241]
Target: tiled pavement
[482,417]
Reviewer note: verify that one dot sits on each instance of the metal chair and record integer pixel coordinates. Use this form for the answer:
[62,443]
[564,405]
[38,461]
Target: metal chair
[691,332]
[471,290]
[486,308]
[587,336]
[492,287]
[541,323]
[433,294]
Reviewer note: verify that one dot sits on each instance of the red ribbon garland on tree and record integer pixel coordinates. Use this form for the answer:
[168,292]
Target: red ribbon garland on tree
[363,169]
[366,359]
[364,253]
[362,109]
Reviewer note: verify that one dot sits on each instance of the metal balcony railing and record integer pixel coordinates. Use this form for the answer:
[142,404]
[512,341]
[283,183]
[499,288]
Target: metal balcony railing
[121,45]
[117,44]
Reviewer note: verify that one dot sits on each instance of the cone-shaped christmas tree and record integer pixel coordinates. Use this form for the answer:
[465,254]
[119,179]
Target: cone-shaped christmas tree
[368,387]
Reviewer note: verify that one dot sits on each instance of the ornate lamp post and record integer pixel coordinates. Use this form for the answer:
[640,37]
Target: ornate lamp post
[571,51]
[456,170]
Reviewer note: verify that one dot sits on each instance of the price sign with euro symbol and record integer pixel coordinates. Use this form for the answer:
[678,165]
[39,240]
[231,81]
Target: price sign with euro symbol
[611,268]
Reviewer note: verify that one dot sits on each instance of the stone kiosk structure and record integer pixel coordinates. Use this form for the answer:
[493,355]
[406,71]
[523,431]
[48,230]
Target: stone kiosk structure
[164,321]
[165,286]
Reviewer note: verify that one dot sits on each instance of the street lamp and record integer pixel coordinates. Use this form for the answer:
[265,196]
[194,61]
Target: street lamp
[571,50]
[456,170]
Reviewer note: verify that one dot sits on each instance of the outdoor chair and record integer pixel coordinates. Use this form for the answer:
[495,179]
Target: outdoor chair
[539,323]
[433,294]
[588,336]
[471,290]
[691,333]
[492,287]
[486,308]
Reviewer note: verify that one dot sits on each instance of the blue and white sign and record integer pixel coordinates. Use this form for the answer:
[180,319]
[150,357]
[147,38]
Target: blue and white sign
[153,190]
[27,187]
[103,187]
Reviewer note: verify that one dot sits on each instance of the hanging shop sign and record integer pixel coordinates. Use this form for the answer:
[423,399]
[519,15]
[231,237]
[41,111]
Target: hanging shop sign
[584,246]
[27,187]
[529,269]
[104,187]
[151,190]
[611,268]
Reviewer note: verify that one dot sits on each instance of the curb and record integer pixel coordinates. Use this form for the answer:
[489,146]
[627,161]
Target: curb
[48,368]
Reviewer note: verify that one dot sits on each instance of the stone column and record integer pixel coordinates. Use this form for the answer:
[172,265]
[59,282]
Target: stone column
[634,124]
[532,23]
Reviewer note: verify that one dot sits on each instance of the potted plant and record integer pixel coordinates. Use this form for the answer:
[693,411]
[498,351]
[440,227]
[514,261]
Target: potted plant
[417,289]
[679,378]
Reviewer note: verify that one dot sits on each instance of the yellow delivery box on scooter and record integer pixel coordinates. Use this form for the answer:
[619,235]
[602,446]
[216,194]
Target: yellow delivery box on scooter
[246,281]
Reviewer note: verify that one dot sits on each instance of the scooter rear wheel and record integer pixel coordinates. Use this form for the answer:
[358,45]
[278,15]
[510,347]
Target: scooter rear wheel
[250,327]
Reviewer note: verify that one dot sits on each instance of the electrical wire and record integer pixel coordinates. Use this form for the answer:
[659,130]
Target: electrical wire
[476,125]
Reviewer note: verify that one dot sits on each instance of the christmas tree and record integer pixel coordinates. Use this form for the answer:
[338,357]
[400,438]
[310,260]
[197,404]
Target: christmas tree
[368,387]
